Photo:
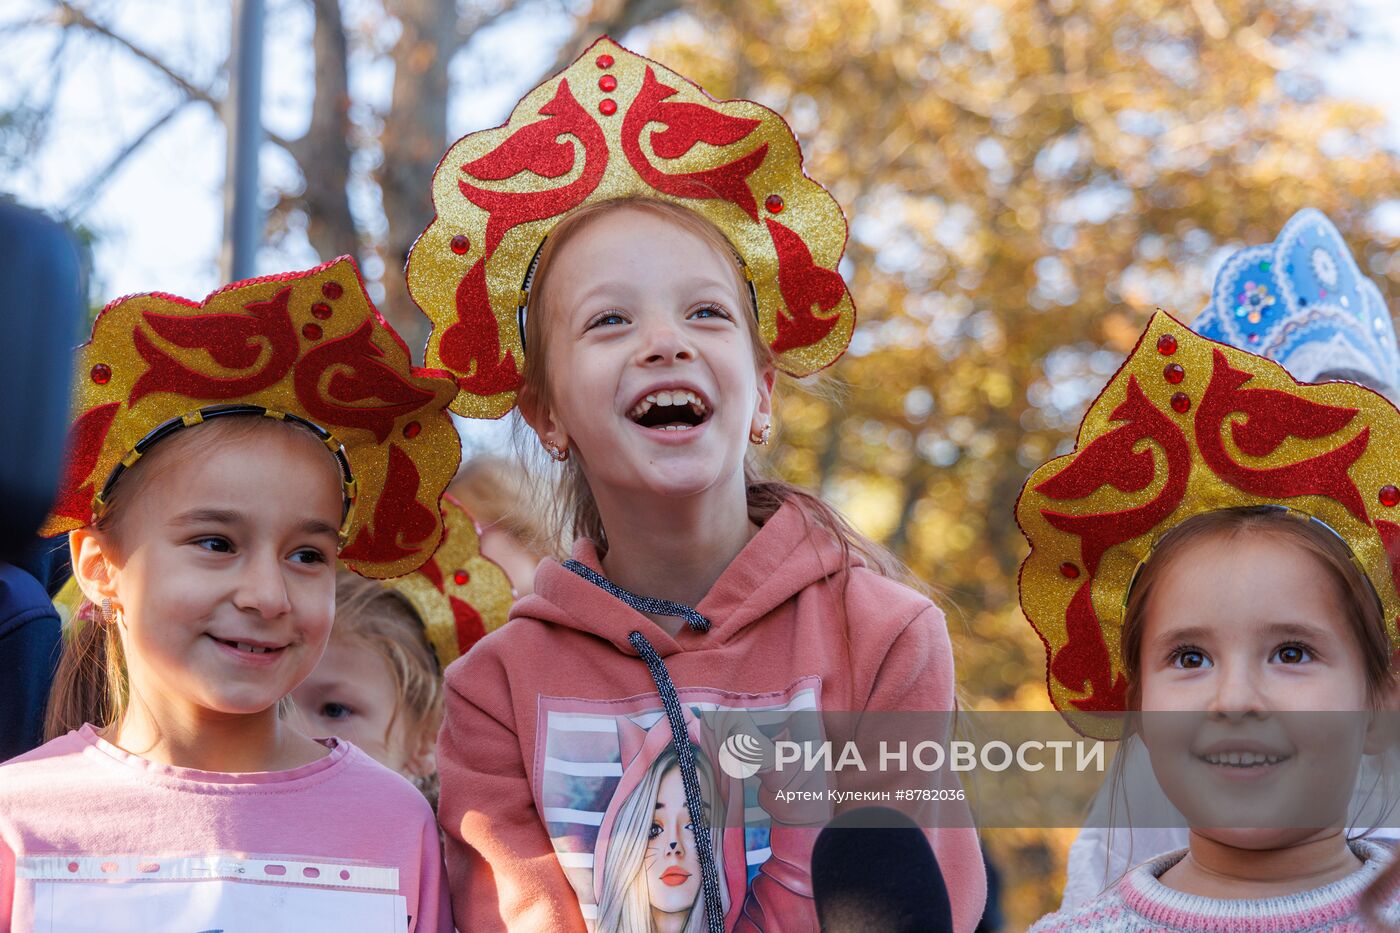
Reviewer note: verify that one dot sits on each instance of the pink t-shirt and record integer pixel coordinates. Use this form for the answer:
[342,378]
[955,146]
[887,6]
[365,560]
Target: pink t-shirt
[94,838]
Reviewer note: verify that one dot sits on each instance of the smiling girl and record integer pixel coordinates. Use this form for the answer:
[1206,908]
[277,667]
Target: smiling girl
[632,262]
[222,455]
[1239,523]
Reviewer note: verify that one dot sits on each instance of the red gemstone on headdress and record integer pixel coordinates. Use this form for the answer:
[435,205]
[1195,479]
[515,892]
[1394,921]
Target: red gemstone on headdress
[607,107]
[605,61]
[774,203]
[460,244]
[101,374]
[1166,344]
[607,83]
[311,331]
[321,310]
[1390,496]
[1069,570]
[1174,373]
[411,430]
[461,577]
[1181,402]
[332,290]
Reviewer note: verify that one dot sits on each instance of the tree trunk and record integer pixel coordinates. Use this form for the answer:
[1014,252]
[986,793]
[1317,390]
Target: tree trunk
[324,152]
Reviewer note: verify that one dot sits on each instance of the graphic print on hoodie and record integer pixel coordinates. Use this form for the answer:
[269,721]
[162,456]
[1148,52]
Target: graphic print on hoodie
[555,737]
[610,794]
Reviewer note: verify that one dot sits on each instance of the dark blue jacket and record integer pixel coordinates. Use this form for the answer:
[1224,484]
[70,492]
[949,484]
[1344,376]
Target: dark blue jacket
[30,636]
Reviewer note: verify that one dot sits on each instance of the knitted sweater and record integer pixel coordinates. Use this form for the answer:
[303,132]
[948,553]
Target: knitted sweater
[1140,902]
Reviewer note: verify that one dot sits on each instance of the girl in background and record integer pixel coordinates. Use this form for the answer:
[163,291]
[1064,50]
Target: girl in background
[222,455]
[379,684]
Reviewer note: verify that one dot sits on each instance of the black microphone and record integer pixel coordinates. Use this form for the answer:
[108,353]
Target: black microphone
[873,869]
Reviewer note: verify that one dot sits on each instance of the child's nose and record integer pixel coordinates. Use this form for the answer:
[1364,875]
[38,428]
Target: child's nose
[666,342]
[1238,692]
[263,589]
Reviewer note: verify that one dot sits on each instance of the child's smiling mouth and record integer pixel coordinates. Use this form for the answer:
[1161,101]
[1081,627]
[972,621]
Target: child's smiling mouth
[676,409]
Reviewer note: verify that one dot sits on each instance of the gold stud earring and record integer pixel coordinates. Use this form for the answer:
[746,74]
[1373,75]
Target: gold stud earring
[760,438]
[556,453]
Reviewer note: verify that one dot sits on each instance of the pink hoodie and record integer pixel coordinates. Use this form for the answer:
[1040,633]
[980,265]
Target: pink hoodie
[550,725]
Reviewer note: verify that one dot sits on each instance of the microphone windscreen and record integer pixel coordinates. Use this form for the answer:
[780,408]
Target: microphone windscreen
[873,869]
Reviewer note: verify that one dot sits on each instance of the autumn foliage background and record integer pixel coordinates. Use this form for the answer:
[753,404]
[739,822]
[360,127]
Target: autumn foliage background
[1025,181]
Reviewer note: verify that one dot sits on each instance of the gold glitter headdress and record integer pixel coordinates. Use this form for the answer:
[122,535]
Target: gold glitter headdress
[459,594]
[1190,426]
[614,124]
[305,346]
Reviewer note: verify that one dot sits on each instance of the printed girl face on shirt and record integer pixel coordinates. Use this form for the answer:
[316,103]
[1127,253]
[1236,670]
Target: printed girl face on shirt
[645,312]
[1248,661]
[222,565]
[672,865]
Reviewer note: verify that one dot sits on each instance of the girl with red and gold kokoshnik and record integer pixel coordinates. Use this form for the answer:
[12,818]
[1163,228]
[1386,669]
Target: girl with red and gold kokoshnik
[222,455]
[631,262]
[1219,556]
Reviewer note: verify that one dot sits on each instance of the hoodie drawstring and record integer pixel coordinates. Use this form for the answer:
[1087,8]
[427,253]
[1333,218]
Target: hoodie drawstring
[680,741]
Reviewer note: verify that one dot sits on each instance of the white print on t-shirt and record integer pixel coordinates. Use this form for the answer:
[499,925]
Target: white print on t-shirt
[219,893]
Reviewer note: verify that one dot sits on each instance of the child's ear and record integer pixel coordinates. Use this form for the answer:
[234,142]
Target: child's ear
[540,417]
[763,412]
[94,565]
[421,760]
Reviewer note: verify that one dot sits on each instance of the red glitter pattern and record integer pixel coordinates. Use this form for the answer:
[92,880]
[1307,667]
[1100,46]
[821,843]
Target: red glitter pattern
[233,341]
[803,284]
[1271,417]
[358,375]
[401,523]
[687,125]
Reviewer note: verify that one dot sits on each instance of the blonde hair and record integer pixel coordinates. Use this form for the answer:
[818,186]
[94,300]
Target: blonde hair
[495,494]
[370,615]
[575,511]
[90,683]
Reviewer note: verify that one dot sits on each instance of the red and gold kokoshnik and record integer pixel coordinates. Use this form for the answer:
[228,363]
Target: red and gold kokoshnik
[614,124]
[459,594]
[1190,426]
[306,344]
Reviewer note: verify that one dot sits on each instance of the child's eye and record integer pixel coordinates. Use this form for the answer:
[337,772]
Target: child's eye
[711,311]
[654,831]
[606,319]
[214,543]
[335,711]
[309,555]
[1292,654]
[1190,659]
